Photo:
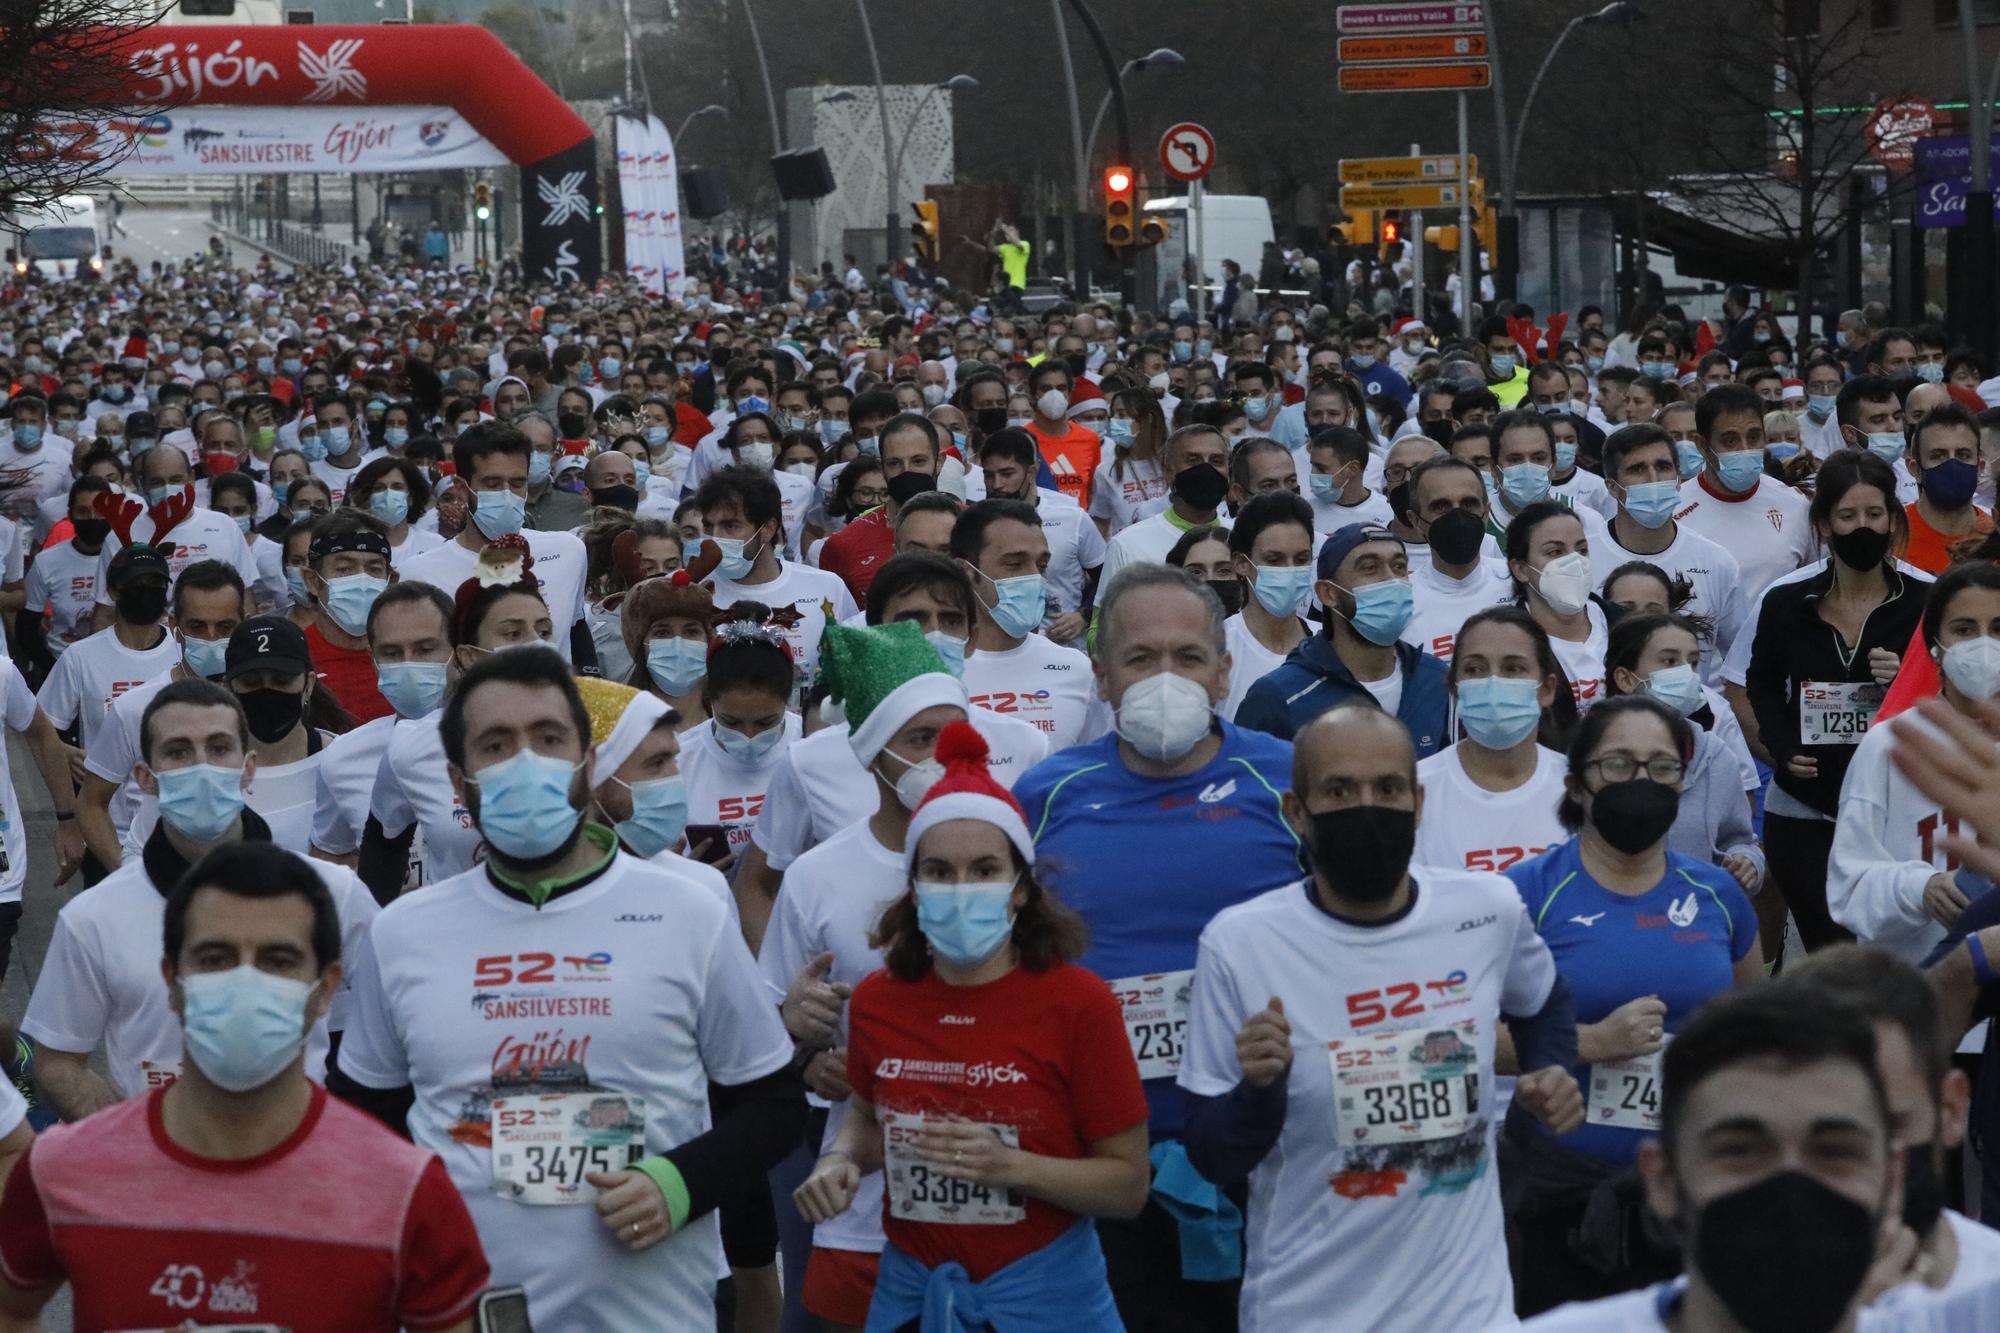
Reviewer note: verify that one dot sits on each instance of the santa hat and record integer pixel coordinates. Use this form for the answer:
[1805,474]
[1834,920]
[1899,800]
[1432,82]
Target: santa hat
[1411,324]
[1794,391]
[620,717]
[135,353]
[880,677]
[967,791]
[1687,379]
[1965,398]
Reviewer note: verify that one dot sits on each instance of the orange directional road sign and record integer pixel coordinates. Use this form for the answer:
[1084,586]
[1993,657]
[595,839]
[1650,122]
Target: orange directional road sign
[1415,78]
[1406,170]
[1430,46]
[1412,196]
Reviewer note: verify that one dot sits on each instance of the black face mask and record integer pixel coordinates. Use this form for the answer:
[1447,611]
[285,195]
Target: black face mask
[1456,536]
[906,486]
[1861,548]
[1231,593]
[1923,1192]
[989,420]
[1634,815]
[616,497]
[1201,486]
[92,531]
[1399,500]
[271,714]
[1786,1254]
[574,425]
[141,603]
[1363,851]
[1077,362]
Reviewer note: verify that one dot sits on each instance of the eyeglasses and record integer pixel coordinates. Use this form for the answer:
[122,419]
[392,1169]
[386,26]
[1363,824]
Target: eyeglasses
[1663,768]
[869,499]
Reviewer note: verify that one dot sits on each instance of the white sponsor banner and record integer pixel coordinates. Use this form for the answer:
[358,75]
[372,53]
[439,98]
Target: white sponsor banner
[232,140]
[649,185]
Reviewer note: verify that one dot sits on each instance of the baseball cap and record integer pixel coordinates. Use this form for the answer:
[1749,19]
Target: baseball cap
[134,560]
[1342,543]
[267,643]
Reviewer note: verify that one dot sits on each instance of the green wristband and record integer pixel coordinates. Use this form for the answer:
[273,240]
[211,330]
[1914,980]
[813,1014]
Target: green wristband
[668,1177]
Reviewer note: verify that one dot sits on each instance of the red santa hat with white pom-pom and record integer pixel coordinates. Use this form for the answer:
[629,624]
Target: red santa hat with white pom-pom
[967,791]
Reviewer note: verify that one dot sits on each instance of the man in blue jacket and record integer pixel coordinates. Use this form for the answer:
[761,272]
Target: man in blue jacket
[1364,584]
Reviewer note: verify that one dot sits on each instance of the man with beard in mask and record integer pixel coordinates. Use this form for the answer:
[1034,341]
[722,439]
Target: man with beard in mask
[337,453]
[1076,548]
[612,479]
[1778,1166]
[1370,1157]
[1451,576]
[909,445]
[1136,820]
[565,940]
[1195,460]
[1929,1102]
[100,981]
[1364,584]
[348,567]
[222,1156]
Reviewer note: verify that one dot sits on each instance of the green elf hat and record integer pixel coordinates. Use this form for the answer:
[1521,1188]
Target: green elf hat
[880,677]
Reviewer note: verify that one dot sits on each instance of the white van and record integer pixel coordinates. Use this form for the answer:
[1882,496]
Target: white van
[61,241]
[1233,226]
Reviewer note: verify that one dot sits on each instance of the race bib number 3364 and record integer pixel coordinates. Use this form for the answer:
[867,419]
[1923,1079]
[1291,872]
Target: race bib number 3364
[919,1192]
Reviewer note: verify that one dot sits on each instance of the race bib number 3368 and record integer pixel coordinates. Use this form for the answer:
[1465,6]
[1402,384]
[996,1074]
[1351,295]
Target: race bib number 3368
[1406,1087]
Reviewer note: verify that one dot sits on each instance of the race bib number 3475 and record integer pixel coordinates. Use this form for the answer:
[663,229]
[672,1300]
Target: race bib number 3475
[544,1147]
[1406,1087]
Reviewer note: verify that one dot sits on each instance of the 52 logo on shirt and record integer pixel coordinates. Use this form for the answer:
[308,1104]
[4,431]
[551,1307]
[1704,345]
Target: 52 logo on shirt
[1406,1000]
[1500,858]
[532,969]
[739,809]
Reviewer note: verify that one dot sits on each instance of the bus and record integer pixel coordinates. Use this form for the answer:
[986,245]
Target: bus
[61,241]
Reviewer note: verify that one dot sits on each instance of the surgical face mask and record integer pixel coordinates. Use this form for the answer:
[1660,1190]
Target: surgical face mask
[295,579]
[200,802]
[950,648]
[1782,450]
[1524,483]
[934,395]
[312,447]
[830,430]
[1886,445]
[1503,366]
[499,513]
[392,507]
[114,393]
[609,367]
[965,924]
[1499,712]
[1739,471]
[243,1026]
[1324,486]
[657,436]
[757,454]
[524,807]
[1052,404]
[1165,716]
[27,436]
[1020,603]
[1931,373]
[413,689]
[1652,503]
[215,370]
[1973,667]
[292,366]
[659,814]
[1565,582]
[1204,347]
[752,750]
[1593,364]
[917,780]
[1020,423]
[1382,610]
[204,657]
[1565,455]
[1678,687]
[752,402]
[243,524]
[1820,405]
[1256,406]
[333,439]
[1360,362]
[1283,589]
[1687,459]
[395,436]
[675,665]
[349,598]
[1183,351]
[1656,370]
[539,465]
[1121,431]
[736,562]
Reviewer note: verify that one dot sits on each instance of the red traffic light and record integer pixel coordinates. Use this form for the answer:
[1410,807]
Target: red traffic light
[1392,231]
[1117,180]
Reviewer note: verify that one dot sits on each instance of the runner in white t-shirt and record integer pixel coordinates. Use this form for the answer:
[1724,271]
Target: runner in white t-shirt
[601,1212]
[62,583]
[1758,519]
[1340,1055]
[728,760]
[1550,560]
[1451,577]
[1271,553]
[166,487]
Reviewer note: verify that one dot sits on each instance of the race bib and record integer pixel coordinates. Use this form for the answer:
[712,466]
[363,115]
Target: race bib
[158,1073]
[1837,712]
[544,1146]
[1406,1087]
[1625,1094]
[1155,1010]
[920,1193]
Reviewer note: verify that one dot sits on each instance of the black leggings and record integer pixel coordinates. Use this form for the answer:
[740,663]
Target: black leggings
[1796,850]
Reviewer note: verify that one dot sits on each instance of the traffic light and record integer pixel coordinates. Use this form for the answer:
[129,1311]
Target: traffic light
[482,200]
[1119,222]
[1358,229]
[1151,231]
[1485,234]
[924,231]
[1390,230]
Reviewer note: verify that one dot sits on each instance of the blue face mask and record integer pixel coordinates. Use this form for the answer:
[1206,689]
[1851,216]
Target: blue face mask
[1524,483]
[524,809]
[243,1026]
[200,802]
[1323,487]
[313,447]
[1503,365]
[748,749]
[392,507]
[1651,504]
[1886,445]
[1183,351]
[657,436]
[752,402]
[676,664]
[157,495]
[138,444]
[413,689]
[829,431]
[950,649]
[1020,604]
[349,598]
[659,815]
[1739,471]
[27,435]
[609,367]
[1930,372]
[1656,370]
[1687,458]
[333,440]
[292,366]
[1382,610]
[642,472]
[280,490]
[266,364]
[736,563]
[1678,687]
[1255,406]
[1121,430]
[1821,405]
[1565,455]
[500,513]
[243,524]
[204,657]
[1781,450]
[1593,364]
[966,924]
[1283,589]
[1204,347]
[395,436]
[1361,362]
[539,464]
[1499,712]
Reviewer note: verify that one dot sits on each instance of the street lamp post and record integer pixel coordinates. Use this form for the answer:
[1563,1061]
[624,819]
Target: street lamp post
[1124,120]
[956,83]
[710,110]
[1162,58]
[894,226]
[777,146]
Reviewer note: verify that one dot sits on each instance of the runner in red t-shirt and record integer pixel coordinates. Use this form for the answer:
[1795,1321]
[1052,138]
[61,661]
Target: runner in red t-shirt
[859,550]
[347,568]
[992,1078]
